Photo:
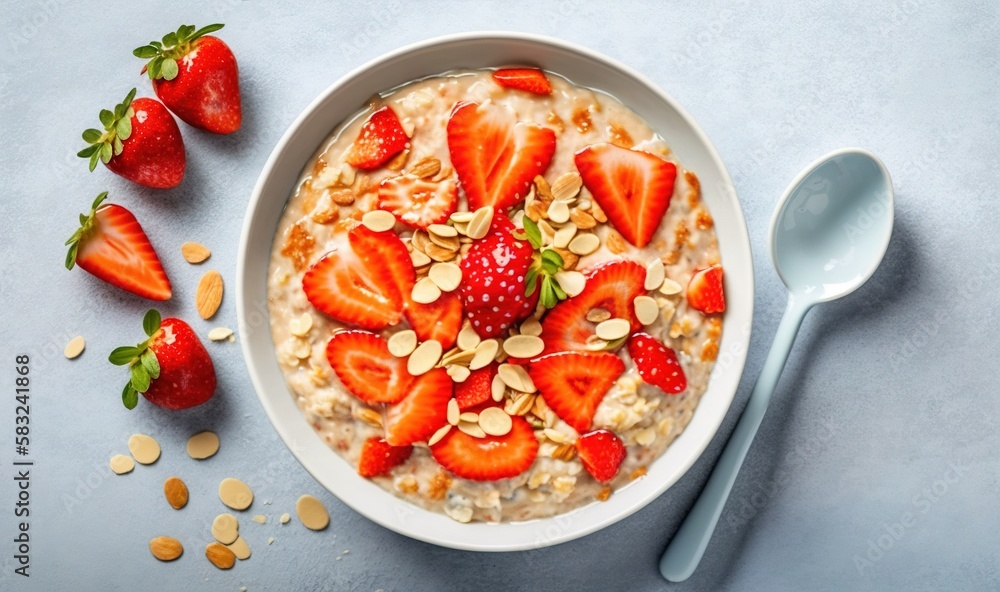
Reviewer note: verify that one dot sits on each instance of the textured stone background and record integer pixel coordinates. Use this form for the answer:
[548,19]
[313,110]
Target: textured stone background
[886,394]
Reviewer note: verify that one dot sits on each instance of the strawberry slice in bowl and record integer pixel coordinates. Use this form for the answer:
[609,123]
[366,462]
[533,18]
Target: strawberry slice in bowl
[573,384]
[530,80]
[416,202]
[422,411]
[381,137]
[368,371]
[489,458]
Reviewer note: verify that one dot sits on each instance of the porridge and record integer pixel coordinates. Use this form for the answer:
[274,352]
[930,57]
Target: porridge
[496,294]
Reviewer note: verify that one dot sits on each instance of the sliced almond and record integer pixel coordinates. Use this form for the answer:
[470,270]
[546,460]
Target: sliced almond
[300,325]
[471,429]
[497,388]
[581,219]
[613,329]
[122,464]
[584,244]
[523,346]
[462,217]
[531,326]
[457,356]
[494,421]
[220,334]
[646,310]
[598,213]
[166,548]
[598,315]
[225,528]
[235,494]
[485,352]
[426,167]
[572,282]
[240,548]
[446,276]
[459,373]
[555,435]
[480,223]
[438,253]
[564,235]
[75,347]
[419,240]
[424,357]
[467,337]
[548,233]
[312,513]
[558,212]
[195,252]
[284,519]
[208,294]
[516,377]
[442,230]
[342,197]
[441,433]
[402,343]
[368,416]
[145,450]
[454,413]
[670,287]
[645,436]
[655,274]
[425,291]
[595,343]
[419,258]
[520,404]
[379,220]
[260,519]
[176,492]
[220,555]
[202,445]
[566,187]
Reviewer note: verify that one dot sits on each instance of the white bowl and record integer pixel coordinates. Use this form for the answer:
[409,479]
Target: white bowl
[477,50]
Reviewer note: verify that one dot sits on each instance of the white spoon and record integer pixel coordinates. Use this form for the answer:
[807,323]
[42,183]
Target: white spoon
[828,235]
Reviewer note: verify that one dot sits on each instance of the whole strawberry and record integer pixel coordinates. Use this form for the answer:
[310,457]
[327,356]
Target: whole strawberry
[171,368]
[140,142]
[196,77]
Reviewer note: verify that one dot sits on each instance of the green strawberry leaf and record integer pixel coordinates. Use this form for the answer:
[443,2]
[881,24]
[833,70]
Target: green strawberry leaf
[530,281]
[123,356]
[130,398]
[151,322]
[206,30]
[106,153]
[169,69]
[533,233]
[145,52]
[150,363]
[88,151]
[91,135]
[140,378]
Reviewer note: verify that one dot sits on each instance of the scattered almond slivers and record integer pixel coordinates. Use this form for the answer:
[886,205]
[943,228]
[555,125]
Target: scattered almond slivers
[497,388]
[312,513]
[145,450]
[235,494]
[523,346]
[176,492]
[442,231]
[208,295]
[566,187]
[220,334]
[260,519]
[195,252]
[471,429]
[655,274]
[445,276]
[646,436]
[379,220]
[572,282]
[468,339]
[438,435]
[424,357]
[202,445]
[402,343]
[225,529]
[495,422]
[426,167]
[166,548]
[646,310]
[220,555]
[598,315]
[486,351]
[240,548]
[479,224]
[584,244]
[300,325]
[516,378]
[425,291]
[558,212]
[121,464]
[75,347]
[670,287]
[613,329]
[458,373]
[453,412]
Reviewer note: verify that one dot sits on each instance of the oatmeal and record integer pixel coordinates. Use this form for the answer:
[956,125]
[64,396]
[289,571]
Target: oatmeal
[497,294]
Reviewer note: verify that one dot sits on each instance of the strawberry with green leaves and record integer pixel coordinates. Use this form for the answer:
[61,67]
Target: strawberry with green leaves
[140,142]
[171,368]
[196,77]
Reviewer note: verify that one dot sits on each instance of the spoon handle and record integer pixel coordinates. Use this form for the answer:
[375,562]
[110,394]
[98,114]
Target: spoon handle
[687,547]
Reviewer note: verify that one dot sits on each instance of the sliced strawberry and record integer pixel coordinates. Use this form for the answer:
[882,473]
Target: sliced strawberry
[526,79]
[601,453]
[417,202]
[378,457]
[495,155]
[111,245]
[358,281]
[657,364]
[491,458]
[611,286]
[440,320]
[477,388]
[381,138]
[573,384]
[632,187]
[705,291]
[494,273]
[422,412]
[369,372]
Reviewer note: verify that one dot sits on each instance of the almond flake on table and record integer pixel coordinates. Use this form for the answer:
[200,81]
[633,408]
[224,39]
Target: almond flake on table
[220,334]
[235,494]
[203,445]
[121,464]
[75,347]
[145,450]
[195,253]
[312,513]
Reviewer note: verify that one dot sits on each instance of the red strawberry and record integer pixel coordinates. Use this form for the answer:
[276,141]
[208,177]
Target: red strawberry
[494,280]
[363,363]
[601,453]
[705,291]
[196,77]
[657,364]
[422,411]
[358,281]
[495,155]
[378,457]
[140,142]
[573,384]
[440,320]
[491,458]
[417,202]
[477,388]
[171,368]
[111,245]
[381,138]
[632,187]
[611,286]
[526,79]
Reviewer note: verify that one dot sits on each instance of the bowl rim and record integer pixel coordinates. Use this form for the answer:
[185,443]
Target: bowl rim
[244,305]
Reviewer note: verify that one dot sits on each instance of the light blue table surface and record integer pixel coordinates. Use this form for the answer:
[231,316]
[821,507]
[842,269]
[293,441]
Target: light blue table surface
[876,467]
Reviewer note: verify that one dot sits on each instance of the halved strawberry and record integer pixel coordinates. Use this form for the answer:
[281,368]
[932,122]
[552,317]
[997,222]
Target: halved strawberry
[440,320]
[422,411]
[381,138]
[611,286]
[601,453]
[495,155]
[491,458]
[369,372]
[417,202]
[527,79]
[573,384]
[632,187]
[494,280]
[705,291]
[358,280]
[477,388]
[378,457]
[657,364]
[111,245]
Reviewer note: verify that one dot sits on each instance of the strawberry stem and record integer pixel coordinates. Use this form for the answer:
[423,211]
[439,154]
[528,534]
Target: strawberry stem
[163,55]
[545,265]
[86,224]
[117,128]
[140,359]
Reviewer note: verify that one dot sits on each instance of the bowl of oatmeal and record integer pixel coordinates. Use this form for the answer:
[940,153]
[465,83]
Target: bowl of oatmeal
[495,291]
